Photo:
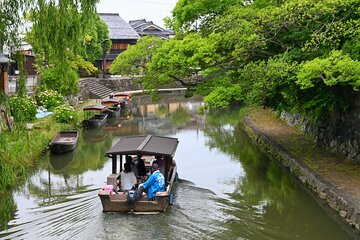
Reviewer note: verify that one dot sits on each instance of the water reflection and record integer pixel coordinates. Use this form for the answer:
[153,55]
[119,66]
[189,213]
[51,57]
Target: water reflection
[228,188]
[60,161]
[7,209]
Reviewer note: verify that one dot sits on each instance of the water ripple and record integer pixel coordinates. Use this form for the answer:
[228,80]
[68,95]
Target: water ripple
[54,221]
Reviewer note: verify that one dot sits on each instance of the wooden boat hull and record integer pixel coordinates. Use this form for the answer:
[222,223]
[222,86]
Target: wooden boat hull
[113,112]
[65,141]
[112,202]
[95,121]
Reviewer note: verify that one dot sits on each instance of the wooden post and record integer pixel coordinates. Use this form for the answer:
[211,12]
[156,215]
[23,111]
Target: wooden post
[121,163]
[4,80]
[114,158]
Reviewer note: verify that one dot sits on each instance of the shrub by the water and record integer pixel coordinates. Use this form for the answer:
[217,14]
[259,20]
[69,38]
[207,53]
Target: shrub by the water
[64,114]
[22,108]
[64,82]
[49,99]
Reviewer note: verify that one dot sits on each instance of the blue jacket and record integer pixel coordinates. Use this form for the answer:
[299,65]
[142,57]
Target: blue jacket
[155,183]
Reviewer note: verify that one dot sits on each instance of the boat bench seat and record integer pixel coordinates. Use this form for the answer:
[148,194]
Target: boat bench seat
[165,193]
[112,179]
[162,194]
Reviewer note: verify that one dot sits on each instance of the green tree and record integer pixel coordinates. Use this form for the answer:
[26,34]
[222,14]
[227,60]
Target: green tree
[180,61]
[96,38]
[59,27]
[261,52]
[260,47]
[135,59]
[197,14]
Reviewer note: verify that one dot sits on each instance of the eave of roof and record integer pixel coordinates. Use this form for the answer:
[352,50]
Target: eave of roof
[95,108]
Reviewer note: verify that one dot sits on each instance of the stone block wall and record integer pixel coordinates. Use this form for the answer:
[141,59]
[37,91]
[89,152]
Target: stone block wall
[121,84]
[340,137]
[325,192]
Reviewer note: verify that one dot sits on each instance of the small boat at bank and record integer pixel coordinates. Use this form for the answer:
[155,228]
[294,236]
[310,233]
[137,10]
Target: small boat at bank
[64,141]
[95,116]
[113,106]
[125,97]
[148,146]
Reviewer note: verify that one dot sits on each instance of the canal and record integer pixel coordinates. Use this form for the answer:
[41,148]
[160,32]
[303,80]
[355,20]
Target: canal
[227,189]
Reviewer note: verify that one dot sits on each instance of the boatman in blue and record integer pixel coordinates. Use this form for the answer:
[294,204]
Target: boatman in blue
[154,184]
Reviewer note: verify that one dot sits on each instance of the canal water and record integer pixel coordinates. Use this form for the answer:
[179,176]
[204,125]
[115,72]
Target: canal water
[227,189]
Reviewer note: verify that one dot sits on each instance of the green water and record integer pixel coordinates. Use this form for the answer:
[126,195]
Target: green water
[227,190]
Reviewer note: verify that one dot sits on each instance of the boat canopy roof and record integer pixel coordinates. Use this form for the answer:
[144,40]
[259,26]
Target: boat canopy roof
[95,108]
[122,94]
[110,101]
[144,145]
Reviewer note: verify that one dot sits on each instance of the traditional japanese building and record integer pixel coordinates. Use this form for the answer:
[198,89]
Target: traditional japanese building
[145,28]
[121,35]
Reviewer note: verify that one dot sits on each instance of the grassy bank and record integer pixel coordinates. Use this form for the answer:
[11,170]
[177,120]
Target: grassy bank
[20,149]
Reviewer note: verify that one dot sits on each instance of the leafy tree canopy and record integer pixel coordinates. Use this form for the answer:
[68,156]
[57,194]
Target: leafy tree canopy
[297,55]
[58,27]
[135,59]
[294,55]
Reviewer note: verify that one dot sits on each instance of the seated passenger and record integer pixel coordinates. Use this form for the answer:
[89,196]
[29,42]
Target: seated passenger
[128,178]
[141,170]
[132,164]
[161,162]
[152,170]
[154,184]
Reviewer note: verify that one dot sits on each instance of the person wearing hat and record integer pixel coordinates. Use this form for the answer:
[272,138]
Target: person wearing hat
[155,183]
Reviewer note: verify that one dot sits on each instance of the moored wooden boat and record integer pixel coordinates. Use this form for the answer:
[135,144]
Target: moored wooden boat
[125,97]
[148,146]
[113,106]
[95,120]
[64,141]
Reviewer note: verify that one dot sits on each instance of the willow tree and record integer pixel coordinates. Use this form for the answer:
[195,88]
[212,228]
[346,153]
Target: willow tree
[59,27]
[58,30]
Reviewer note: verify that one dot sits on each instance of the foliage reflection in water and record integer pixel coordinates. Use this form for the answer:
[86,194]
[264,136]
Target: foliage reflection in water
[228,188]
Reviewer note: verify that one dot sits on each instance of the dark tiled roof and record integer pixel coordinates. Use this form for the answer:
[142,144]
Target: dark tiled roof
[143,27]
[144,145]
[136,23]
[118,27]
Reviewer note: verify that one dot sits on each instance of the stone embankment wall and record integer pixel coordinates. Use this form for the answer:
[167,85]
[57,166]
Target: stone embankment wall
[339,137]
[121,84]
[323,190]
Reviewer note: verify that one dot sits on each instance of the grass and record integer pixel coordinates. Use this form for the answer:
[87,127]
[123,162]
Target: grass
[20,149]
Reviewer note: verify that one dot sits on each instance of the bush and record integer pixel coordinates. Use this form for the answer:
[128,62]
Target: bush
[64,114]
[221,97]
[49,99]
[64,82]
[22,108]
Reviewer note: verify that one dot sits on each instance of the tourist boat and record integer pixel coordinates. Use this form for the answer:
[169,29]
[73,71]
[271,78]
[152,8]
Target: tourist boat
[148,146]
[64,141]
[98,119]
[113,106]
